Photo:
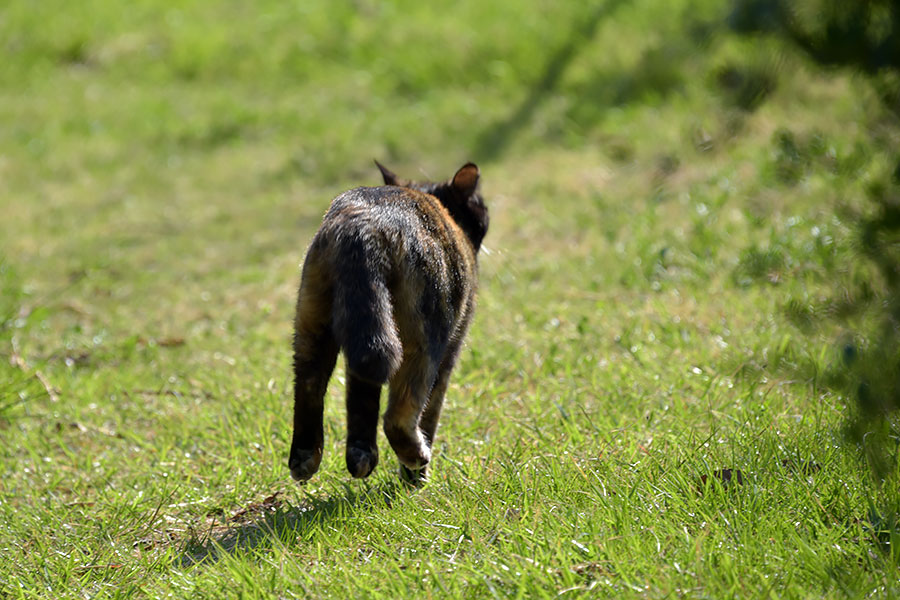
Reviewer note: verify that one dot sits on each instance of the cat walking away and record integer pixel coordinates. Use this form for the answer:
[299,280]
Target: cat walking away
[389,279]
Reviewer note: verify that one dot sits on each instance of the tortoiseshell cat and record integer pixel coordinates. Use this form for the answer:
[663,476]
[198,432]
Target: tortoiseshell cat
[390,279]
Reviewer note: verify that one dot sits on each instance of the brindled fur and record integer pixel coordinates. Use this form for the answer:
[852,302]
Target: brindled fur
[389,279]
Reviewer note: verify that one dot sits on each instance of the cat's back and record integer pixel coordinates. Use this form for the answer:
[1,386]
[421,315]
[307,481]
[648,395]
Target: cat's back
[403,233]
[385,207]
[402,217]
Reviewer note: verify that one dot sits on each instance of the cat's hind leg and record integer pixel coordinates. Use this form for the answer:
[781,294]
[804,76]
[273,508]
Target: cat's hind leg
[315,354]
[409,389]
[363,398]
[431,413]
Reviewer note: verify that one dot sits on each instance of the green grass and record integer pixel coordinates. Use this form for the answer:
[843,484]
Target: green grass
[659,192]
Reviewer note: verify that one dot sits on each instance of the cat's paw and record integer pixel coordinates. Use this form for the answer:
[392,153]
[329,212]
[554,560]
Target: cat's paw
[304,463]
[409,446]
[414,477]
[416,457]
[361,462]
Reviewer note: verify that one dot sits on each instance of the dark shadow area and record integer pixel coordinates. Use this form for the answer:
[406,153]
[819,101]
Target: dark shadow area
[494,140]
[657,74]
[860,36]
[862,309]
[278,522]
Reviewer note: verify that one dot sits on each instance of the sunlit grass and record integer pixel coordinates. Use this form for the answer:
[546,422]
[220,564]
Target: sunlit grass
[162,170]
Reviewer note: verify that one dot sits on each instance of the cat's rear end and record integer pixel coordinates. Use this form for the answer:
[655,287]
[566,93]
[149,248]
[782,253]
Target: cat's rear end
[389,279]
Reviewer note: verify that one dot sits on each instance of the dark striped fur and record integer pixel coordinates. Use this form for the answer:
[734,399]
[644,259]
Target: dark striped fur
[389,279]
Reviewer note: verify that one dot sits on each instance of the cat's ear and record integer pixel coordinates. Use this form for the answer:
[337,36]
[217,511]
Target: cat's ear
[466,179]
[388,175]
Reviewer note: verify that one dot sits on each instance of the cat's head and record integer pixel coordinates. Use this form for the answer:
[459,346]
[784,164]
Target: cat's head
[459,196]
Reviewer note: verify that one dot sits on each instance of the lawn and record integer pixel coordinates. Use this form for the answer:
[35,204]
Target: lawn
[634,413]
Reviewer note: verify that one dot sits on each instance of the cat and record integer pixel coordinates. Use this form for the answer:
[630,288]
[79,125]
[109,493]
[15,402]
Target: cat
[390,280]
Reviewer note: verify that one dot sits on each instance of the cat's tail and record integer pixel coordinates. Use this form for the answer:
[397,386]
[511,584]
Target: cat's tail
[362,317]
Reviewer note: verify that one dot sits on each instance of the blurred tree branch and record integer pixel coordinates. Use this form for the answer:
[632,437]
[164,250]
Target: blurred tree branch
[862,36]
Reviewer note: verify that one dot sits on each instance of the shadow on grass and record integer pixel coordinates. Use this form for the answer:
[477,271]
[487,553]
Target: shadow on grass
[494,140]
[279,525]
